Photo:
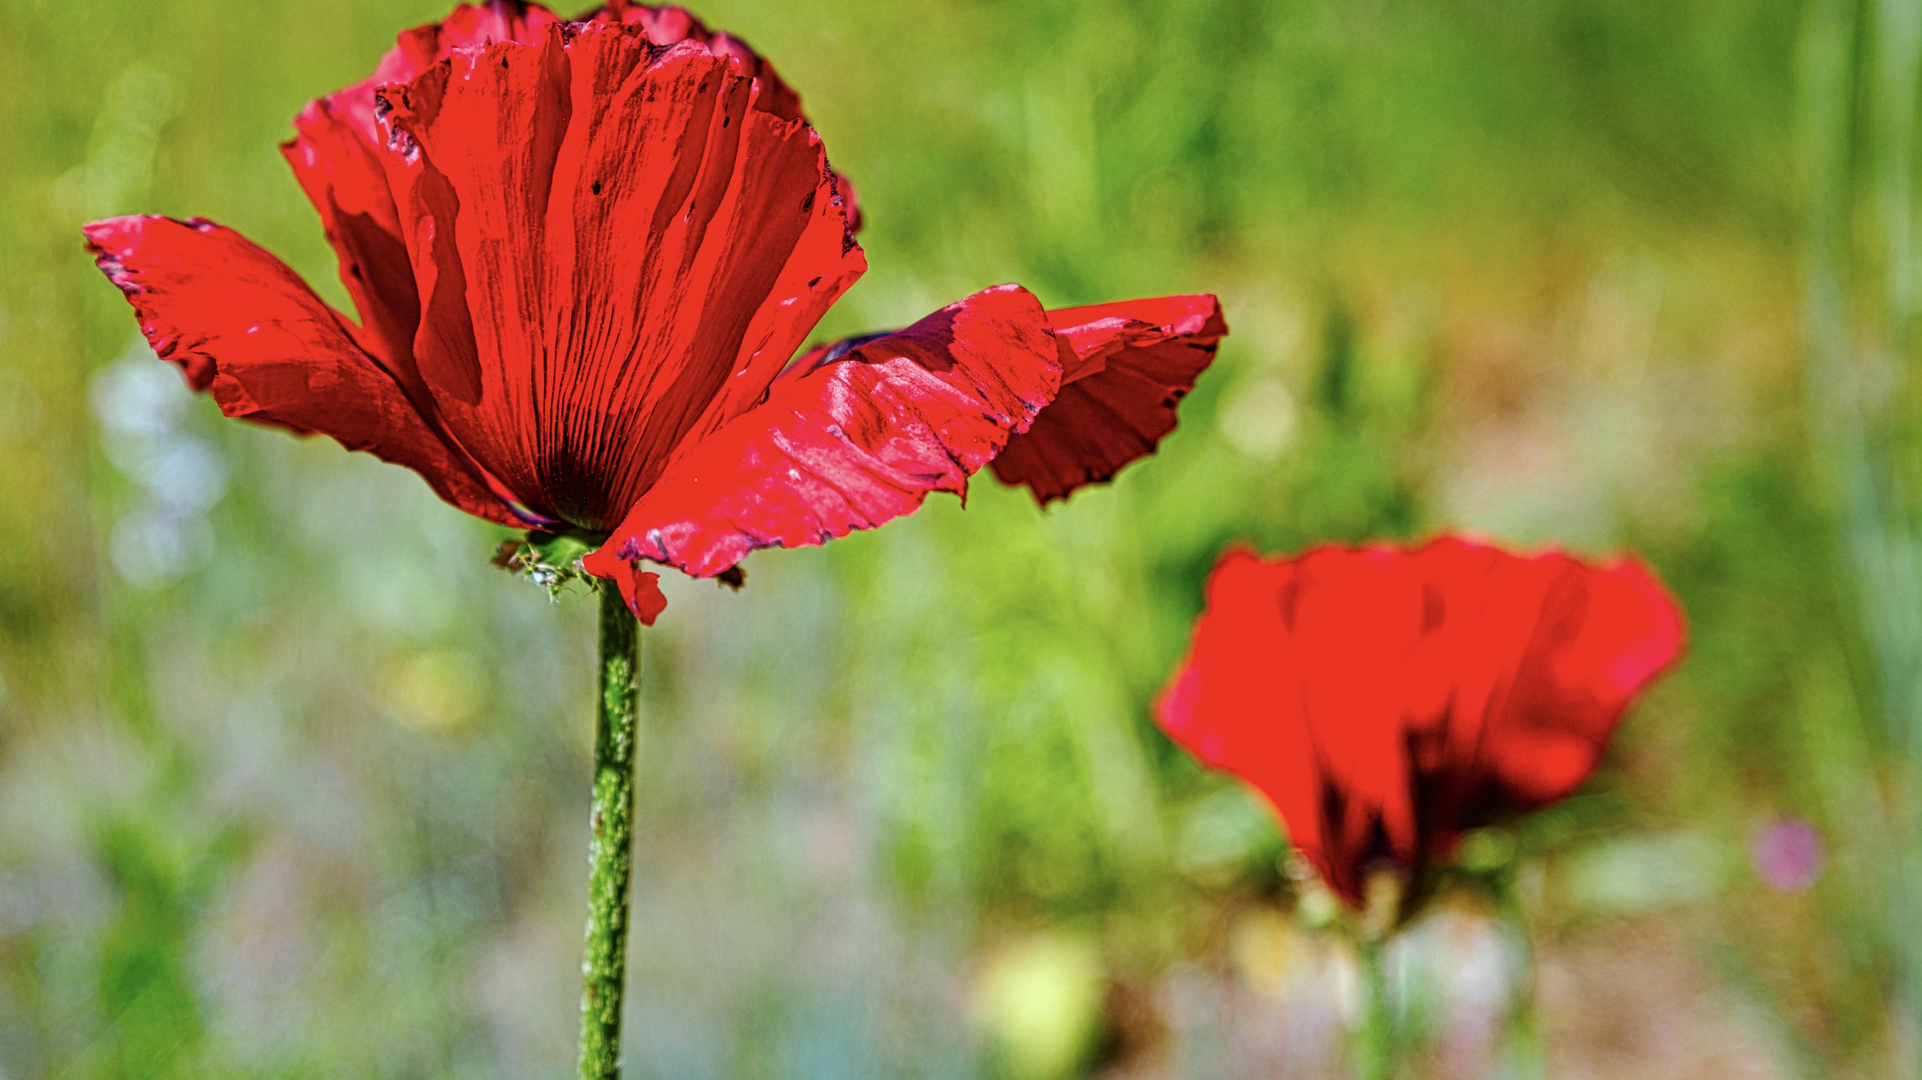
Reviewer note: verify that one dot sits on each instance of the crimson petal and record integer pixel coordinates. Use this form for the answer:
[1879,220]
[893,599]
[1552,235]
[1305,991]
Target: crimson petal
[1601,636]
[247,329]
[339,154]
[629,280]
[852,443]
[642,591]
[670,25]
[345,178]
[1133,363]
[1235,702]
[1384,700]
[1125,366]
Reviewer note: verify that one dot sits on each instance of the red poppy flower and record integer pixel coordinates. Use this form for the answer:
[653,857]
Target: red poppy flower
[584,254]
[1385,699]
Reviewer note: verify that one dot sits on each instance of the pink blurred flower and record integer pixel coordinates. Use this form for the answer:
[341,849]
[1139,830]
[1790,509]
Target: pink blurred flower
[1788,855]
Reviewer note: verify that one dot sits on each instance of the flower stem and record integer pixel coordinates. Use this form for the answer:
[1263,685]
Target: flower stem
[610,850]
[1527,1050]
[1376,1045]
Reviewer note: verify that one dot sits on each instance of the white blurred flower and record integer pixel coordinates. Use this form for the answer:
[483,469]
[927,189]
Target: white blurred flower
[186,475]
[138,397]
[140,402]
[152,547]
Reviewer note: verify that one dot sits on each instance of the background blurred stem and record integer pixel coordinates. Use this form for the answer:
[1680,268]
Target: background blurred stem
[1527,1050]
[1859,79]
[611,846]
[1375,1049]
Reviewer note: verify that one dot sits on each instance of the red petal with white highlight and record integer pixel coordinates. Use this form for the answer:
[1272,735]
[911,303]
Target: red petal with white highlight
[853,443]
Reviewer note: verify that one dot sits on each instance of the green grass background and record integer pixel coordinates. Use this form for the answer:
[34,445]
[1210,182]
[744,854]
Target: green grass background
[307,800]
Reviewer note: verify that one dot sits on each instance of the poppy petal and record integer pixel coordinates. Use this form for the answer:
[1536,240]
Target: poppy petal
[1237,701]
[1601,636]
[1132,364]
[853,443]
[643,269]
[344,177]
[1125,367]
[339,156]
[1387,699]
[245,328]
[669,25]
[642,591]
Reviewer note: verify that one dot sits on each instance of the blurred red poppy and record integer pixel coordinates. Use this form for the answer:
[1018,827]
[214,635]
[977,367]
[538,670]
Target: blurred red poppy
[584,254]
[1385,699]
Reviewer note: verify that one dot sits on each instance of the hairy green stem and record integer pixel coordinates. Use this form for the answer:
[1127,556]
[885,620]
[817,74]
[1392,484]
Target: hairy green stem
[610,850]
[1375,1057]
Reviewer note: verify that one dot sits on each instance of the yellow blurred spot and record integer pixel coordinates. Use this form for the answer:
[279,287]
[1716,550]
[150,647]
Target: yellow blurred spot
[437,691]
[1264,947]
[1381,901]
[1040,999]
[1318,905]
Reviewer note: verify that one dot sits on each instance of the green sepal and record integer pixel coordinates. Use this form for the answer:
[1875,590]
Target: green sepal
[551,559]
